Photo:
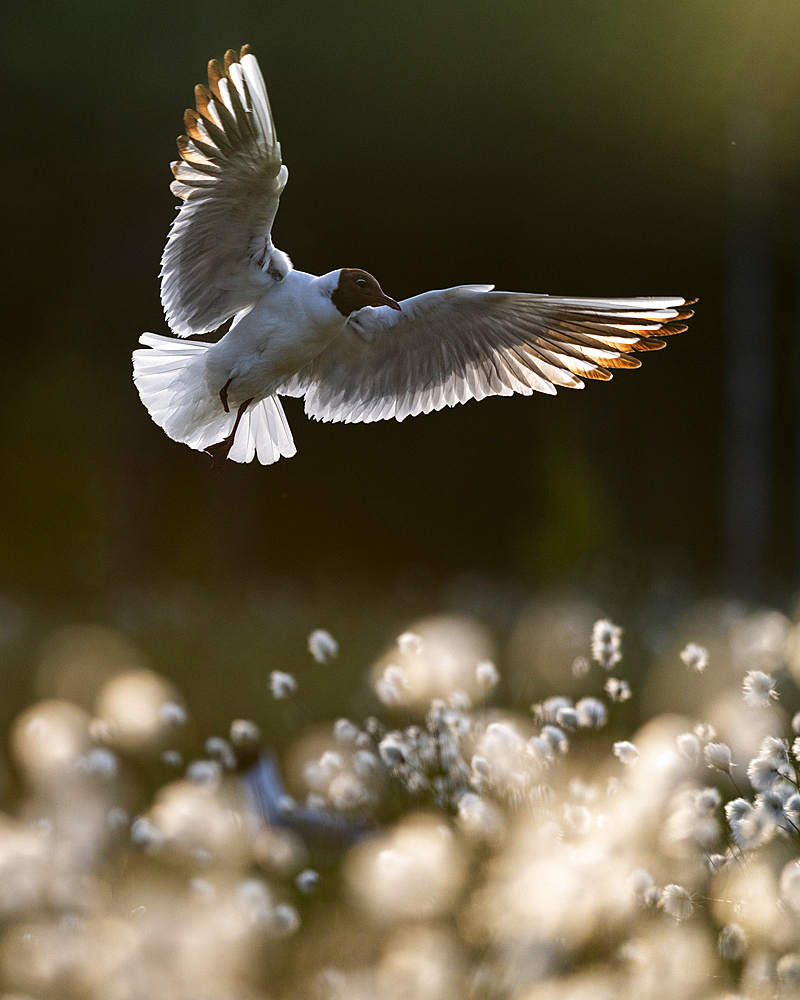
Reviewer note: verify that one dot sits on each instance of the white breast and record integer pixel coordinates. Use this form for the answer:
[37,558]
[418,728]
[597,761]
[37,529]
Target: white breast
[286,329]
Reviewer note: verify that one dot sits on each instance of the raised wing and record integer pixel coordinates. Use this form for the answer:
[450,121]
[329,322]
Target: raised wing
[448,346]
[219,257]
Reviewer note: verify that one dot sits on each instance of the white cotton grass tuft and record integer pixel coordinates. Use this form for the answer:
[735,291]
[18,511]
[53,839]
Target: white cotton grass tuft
[567,717]
[771,765]
[759,689]
[320,772]
[346,791]
[204,772]
[479,819]
[556,738]
[392,750]
[677,902]
[732,942]
[307,881]
[322,646]
[738,811]
[578,819]
[688,747]
[705,732]
[221,750]
[281,684]
[390,687]
[173,714]
[541,842]
[788,970]
[487,676]
[708,799]
[344,731]
[718,756]
[625,751]
[646,892]
[617,690]
[244,735]
[591,713]
[548,710]
[606,643]
[410,643]
[580,667]
[695,657]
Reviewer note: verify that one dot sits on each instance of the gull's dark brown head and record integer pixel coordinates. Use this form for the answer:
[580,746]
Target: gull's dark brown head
[356,289]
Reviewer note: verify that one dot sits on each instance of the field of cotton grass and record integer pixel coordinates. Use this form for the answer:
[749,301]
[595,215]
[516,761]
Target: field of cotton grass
[452,844]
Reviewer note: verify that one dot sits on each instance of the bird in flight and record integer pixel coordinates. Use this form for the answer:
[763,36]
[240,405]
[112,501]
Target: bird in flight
[353,353]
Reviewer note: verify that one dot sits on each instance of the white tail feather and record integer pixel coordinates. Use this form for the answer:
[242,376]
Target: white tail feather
[171,378]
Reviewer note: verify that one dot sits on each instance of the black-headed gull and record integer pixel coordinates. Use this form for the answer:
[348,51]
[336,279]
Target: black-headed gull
[352,352]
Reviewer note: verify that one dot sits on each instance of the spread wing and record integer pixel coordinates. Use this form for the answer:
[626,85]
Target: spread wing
[448,346]
[219,257]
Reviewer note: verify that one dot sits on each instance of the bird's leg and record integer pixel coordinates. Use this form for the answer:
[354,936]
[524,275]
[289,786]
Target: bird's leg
[223,395]
[219,452]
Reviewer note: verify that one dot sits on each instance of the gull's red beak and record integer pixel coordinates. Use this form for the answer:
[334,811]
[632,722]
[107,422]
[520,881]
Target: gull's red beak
[386,301]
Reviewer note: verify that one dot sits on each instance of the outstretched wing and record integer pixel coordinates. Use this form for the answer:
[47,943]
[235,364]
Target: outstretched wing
[219,257]
[448,346]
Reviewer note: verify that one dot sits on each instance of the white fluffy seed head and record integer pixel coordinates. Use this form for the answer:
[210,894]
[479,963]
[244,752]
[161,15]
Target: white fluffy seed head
[578,819]
[695,657]
[345,731]
[244,734]
[568,718]
[486,675]
[606,644]
[732,942]
[626,751]
[718,756]
[410,643]
[591,713]
[281,685]
[392,750]
[676,902]
[759,689]
[580,667]
[788,970]
[322,646]
[617,690]
[688,746]
[479,819]
[307,881]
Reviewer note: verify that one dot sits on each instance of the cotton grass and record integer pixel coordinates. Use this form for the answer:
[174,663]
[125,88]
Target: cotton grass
[450,845]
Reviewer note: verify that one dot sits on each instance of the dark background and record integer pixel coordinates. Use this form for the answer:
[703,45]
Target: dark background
[564,146]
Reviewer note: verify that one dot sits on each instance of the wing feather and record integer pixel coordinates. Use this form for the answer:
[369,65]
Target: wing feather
[230,177]
[448,346]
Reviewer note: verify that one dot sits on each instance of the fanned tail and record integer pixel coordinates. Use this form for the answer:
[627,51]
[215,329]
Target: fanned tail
[171,378]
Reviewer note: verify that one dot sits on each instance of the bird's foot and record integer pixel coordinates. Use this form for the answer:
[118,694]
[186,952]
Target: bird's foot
[223,395]
[220,451]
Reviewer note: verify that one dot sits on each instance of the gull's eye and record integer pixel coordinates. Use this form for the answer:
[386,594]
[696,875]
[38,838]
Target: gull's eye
[362,282]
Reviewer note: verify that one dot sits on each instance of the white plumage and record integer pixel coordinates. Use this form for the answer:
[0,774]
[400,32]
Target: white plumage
[353,353]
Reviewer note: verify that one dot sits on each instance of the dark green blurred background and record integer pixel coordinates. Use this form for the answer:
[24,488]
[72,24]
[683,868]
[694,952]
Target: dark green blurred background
[575,147]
